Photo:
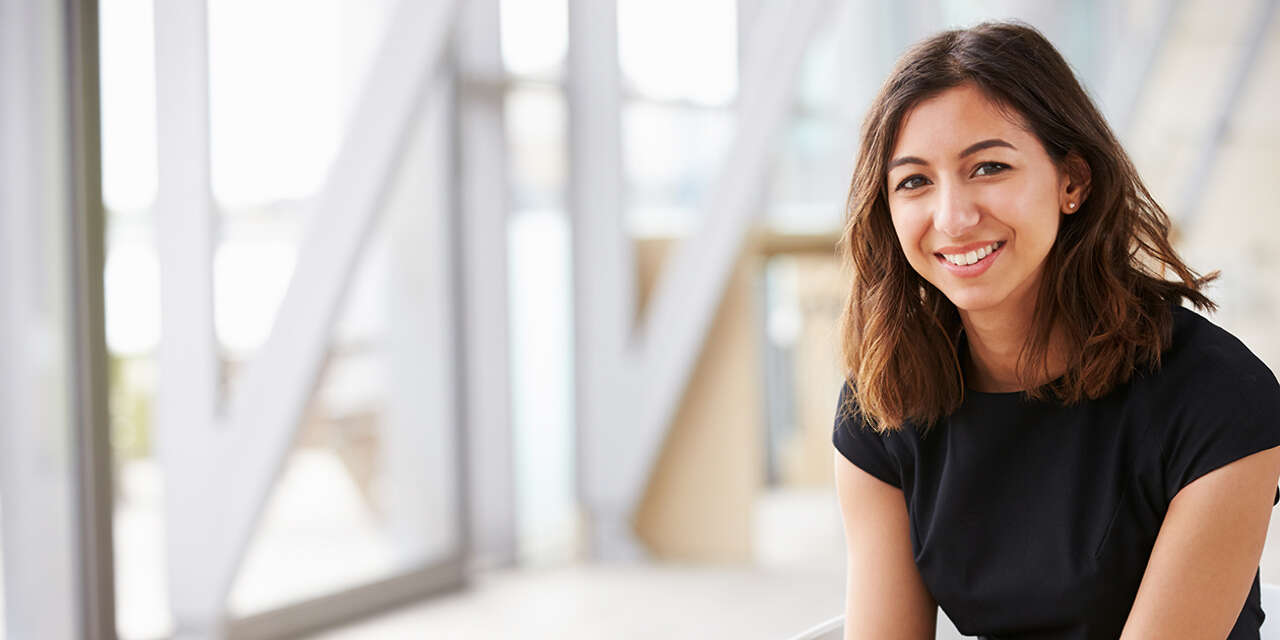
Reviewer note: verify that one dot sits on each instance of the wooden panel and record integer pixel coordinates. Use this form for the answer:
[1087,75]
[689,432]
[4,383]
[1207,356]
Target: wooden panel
[698,503]
[805,460]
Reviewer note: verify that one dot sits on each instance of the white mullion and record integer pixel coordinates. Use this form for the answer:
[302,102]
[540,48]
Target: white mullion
[37,371]
[483,206]
[187,361]
[603,275]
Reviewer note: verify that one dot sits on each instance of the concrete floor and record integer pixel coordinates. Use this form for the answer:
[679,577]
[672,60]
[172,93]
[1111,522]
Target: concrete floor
[803,587]
[653,601]
[618,601]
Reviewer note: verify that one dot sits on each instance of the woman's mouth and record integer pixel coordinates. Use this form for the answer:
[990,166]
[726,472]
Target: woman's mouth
[973,262]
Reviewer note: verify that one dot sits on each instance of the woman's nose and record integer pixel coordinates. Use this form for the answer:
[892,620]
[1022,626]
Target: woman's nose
[956,213]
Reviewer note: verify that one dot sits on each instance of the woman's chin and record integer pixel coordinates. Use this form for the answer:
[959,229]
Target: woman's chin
[969,300]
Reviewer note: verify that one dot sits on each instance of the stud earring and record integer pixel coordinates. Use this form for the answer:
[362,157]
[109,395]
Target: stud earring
[1071,205]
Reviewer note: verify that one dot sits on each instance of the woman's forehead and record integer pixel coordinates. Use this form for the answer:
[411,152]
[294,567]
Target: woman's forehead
[941,125]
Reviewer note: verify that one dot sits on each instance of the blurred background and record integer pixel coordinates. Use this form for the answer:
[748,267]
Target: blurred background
[491,318]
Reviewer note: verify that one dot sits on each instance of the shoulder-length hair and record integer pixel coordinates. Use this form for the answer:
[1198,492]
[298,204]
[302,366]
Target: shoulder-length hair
[1109,281]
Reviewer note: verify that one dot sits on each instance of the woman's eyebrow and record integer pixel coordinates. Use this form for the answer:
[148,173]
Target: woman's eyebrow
[973,148]
[905,160]
[986,144]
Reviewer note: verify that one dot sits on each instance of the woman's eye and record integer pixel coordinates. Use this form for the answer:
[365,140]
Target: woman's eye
[990,168]
[912,182]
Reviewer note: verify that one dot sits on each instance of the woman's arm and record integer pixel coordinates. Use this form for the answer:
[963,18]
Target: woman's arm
[885,596]
[1207,552]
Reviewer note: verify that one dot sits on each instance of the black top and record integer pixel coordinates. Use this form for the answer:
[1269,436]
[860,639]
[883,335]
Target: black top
[1033,520]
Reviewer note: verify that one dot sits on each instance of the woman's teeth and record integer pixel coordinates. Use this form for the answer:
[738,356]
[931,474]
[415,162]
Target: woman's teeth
[965,259]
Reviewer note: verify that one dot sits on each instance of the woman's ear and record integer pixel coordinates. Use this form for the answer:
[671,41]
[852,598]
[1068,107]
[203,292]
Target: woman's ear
[1075,183]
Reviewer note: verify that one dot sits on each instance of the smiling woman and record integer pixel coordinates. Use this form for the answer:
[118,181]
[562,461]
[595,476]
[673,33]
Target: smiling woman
[1034,433]
[951,200]
[938,206]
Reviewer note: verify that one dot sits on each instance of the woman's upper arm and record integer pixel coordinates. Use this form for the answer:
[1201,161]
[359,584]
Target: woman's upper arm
[885,596]
[1206,553]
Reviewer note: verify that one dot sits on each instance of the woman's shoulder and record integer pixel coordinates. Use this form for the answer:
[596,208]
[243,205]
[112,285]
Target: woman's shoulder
[1202,346]
[849,415]
[1213,401]
[878,451]
[1205,362]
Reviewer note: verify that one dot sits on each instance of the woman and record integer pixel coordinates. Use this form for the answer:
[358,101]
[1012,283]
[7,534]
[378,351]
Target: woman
[1034,433]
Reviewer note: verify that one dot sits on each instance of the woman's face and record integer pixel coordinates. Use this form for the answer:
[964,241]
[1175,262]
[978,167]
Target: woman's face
[975,201]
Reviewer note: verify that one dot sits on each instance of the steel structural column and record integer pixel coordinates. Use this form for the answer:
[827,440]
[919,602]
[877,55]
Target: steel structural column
[52,406]
[187,356]
[483,203]
[603,270]
[417,444]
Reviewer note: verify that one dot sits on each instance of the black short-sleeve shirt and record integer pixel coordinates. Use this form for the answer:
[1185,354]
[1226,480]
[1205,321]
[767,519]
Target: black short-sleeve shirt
[1034,520]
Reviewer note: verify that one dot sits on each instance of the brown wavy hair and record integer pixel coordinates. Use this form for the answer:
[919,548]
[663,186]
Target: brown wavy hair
[1110,278]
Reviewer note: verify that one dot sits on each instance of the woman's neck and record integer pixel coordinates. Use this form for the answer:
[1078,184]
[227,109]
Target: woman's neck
[995,343]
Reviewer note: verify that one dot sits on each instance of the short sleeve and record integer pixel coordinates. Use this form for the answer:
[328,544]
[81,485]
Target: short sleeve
[1219,424]
[860,444]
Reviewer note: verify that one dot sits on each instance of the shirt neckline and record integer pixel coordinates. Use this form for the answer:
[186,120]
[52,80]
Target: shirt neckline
[962,347]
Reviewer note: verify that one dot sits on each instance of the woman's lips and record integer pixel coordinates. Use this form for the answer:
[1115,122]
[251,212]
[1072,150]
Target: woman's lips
[971,270]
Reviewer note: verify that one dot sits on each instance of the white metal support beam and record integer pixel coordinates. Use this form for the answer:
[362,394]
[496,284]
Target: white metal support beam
[628,390]
[38,399]
[187,356]
[419,465]
[220,471]
[603,267]
[483,227]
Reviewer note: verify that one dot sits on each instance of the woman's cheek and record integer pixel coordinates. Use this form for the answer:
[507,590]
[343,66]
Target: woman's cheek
[906,238]
[916,227]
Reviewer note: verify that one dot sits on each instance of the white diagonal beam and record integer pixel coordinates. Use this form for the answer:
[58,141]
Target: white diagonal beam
[268,404]
[689,289]
[218,513]
[628,390]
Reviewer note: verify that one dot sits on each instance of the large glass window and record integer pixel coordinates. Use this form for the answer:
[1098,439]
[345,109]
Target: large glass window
[540,307]
[369,489]
[679,73]
[132,296]
[679,65]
